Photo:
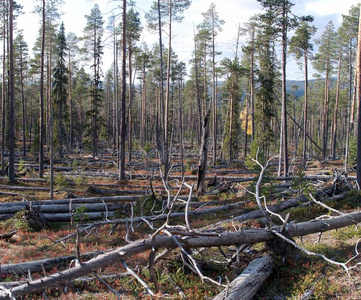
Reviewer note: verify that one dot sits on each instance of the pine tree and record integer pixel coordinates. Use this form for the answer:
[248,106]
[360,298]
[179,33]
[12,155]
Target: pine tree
[60,93]
[21,57]
[93,33]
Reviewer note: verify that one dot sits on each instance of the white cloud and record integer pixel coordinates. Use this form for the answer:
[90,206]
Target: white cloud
[328,7]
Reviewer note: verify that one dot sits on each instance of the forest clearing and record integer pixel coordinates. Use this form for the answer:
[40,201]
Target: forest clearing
[215,178]
[177,245]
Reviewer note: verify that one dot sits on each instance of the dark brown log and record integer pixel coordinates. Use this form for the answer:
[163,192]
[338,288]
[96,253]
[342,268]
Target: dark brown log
[203,153]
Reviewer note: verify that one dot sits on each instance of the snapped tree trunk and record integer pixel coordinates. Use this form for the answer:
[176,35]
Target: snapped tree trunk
[246,285]
[202,166]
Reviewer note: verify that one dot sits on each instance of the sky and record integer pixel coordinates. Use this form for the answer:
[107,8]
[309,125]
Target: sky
[233,12]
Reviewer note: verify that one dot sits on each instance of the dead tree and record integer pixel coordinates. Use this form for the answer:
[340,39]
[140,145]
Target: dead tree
[202,166]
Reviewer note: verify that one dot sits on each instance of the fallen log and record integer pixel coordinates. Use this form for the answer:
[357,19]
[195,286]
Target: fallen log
[39,265]
[24,188]
[194,240]
[246,285]
[25,179]
[85,217]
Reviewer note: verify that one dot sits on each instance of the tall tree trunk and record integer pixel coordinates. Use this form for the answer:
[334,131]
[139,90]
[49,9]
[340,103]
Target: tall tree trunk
[161,115]
[41,101]
[130,108]
[252,88]
[283,159]
[199,103]
[214,99]
[3,95]
[11,97]
[231,112]
[305,114]
[334,133]
[246,126]
[70,89]
[144,108]
[166,147]
[203,153]
[358,71]
[23,102]
[325,116]
[123,96]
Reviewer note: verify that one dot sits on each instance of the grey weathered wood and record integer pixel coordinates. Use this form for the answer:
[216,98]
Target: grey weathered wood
[245,236]
[246,285]
[37,265]
[23,188]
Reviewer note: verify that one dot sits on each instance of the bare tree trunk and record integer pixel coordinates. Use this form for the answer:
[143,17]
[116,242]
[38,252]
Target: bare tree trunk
[246,126]
[305,114]
[334,132]
[358,70]
[202,166]
[199,104]
[11,97]
[41,101]
[130,108]
[325,116]
[214,99]
[124,87]
[283,158]
[3,96]
[23,103]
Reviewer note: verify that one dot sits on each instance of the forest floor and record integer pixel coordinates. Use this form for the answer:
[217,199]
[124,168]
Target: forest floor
[295,275]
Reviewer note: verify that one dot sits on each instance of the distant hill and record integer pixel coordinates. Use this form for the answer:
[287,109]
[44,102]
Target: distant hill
[301,86]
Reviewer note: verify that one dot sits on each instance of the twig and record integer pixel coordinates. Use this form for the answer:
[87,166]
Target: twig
[186,216]
[194,265]
[326,206]
[107,285]
[135,275]
[310,253]
[152,273]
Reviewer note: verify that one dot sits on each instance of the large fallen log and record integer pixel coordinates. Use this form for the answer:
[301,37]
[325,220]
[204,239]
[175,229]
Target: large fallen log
[193,240]
[246,285]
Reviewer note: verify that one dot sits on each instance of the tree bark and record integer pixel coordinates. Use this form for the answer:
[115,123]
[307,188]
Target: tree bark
[358,71]
[41,100]
[11,97]
[246,285]
[123,96]
[202,166]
